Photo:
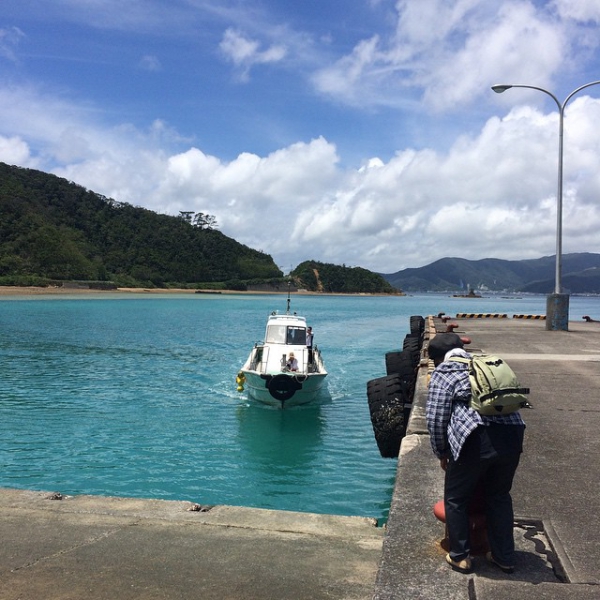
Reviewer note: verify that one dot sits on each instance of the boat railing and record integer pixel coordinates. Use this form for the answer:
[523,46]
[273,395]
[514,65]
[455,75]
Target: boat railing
[317,361]
[260,357]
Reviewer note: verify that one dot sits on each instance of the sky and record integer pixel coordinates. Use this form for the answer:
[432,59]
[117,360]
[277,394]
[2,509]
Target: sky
[355,132]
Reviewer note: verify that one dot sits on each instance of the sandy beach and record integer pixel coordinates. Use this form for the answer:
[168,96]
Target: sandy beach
[71,291]
[62,291]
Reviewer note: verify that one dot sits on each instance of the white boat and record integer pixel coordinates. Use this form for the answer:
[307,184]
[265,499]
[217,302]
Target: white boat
[267,375]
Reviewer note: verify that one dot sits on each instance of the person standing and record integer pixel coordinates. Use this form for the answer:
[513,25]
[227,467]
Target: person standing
[309,344]
[474,450]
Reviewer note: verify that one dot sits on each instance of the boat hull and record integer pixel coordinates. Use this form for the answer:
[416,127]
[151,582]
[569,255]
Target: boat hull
[283,389]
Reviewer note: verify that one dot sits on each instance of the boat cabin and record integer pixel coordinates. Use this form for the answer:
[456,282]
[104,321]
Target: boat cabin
[286,334]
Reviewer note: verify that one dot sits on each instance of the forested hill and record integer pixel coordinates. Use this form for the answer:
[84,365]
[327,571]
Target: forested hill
[52,229]
[322,277]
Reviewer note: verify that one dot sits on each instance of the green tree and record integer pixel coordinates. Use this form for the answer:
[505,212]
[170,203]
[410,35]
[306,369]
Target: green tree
[204,221]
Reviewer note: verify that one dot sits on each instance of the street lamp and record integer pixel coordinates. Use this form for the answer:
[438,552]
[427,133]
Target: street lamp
[557,304]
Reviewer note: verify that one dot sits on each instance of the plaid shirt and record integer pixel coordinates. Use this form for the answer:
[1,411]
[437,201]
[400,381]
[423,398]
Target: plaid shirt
[450,420]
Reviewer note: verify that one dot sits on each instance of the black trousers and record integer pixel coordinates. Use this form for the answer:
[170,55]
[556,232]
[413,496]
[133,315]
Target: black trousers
[489,458]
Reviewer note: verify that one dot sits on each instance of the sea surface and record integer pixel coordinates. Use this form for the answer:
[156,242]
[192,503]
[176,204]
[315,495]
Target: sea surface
[133,395]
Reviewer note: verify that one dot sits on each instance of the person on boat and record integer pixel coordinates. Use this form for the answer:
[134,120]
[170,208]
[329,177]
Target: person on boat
[309,344]
[292,363]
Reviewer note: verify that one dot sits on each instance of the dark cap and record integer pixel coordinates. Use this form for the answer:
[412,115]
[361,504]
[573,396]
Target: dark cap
[442,343]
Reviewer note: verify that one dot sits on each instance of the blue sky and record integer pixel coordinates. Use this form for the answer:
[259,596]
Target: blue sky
[358,132]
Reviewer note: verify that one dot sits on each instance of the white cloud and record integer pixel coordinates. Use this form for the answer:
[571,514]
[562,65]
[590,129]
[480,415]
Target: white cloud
[345,78]
[259,199]
[245,53]
[492,194]
[15,151]
[495,51]
[447,52]
[579,10]
[41,119]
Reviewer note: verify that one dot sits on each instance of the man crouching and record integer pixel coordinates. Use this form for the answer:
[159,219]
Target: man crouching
[473,450]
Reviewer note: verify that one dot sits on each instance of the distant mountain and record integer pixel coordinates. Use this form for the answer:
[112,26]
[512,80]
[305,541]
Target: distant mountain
[580,274]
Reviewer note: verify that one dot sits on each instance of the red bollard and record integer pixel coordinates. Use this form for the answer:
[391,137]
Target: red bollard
[477,524]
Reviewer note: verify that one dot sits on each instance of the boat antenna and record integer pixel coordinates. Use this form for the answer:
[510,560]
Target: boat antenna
[287,312]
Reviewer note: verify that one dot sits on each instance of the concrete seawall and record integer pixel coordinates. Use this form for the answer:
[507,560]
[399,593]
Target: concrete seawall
[90,547]
[556,499]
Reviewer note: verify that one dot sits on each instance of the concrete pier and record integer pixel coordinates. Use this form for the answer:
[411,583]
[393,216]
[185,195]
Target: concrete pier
[114,548]
[556,492]
[92,548]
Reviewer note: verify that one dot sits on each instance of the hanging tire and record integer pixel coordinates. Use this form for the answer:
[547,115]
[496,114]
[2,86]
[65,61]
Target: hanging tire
[411,343]
[412,346]
[404,366]
[387,397]
[400,362]
[417,324]
[283,387]
[415,335]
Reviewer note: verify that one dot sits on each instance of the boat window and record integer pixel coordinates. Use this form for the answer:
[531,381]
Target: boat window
[276,334]
[296,336]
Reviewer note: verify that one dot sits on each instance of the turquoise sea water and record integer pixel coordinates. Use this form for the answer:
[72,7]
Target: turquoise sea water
[130,395]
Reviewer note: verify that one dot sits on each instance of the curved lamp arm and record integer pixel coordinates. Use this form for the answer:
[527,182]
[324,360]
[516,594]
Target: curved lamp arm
[499,89]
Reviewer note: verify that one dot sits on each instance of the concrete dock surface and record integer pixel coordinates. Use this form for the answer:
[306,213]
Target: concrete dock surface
[55,547]
[556,493]
[87,547]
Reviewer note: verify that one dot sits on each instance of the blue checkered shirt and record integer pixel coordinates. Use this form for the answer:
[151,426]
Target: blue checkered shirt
[449,418]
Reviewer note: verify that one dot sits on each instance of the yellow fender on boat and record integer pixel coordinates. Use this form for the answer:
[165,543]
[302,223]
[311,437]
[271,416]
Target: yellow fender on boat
[240,380]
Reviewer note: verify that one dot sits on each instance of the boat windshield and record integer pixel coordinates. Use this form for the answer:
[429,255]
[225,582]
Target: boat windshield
[296,336]
[282,334]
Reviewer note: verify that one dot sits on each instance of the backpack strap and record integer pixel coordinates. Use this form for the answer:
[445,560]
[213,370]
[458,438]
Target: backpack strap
[460,359]
[463,361]
[504,392]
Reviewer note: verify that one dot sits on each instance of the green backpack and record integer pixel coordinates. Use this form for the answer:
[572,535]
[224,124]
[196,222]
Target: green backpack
[495,389]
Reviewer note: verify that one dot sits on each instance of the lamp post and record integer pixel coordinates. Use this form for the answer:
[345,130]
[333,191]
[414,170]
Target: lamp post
[557,304]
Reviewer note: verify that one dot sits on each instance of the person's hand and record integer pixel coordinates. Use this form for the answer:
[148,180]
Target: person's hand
[443,463]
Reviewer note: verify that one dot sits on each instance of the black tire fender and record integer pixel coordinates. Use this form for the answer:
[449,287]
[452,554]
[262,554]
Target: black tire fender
[283,387]
[387,400]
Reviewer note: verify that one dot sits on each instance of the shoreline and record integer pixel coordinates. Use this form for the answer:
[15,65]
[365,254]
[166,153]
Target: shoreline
[77,291]
[9,290]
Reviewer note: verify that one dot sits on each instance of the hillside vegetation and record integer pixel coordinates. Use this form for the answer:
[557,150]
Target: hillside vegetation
[54,230]
[322,277]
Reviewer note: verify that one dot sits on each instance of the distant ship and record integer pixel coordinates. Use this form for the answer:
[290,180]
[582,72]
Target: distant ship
[471,294]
